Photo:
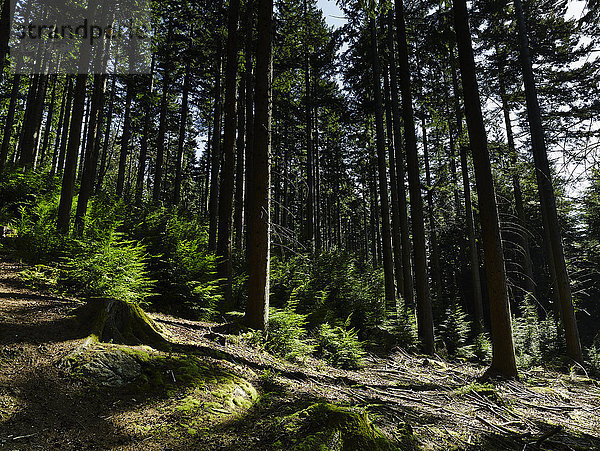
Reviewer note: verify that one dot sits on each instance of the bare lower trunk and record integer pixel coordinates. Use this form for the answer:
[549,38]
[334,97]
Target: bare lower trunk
[259,198]
[546,192]
[503,353]
[424,312]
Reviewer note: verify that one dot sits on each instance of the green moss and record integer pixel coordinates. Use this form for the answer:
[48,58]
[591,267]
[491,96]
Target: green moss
[116,321]
[325,426]
[486,390]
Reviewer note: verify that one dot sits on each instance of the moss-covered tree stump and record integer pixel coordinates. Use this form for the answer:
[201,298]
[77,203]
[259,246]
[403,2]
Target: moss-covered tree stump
[114,321]
[326,426]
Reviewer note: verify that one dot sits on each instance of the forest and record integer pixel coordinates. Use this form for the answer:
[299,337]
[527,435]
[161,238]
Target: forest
[242,225]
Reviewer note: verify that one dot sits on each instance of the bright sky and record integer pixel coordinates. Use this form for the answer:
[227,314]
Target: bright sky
[333,14]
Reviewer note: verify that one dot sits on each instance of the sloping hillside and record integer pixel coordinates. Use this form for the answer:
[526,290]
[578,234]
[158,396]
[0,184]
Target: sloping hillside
[210,391]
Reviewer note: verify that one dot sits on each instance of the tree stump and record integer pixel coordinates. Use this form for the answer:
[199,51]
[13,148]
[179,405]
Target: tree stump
[111,320]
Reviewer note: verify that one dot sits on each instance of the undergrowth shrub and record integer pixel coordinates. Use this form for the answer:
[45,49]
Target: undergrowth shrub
[398,329]
[482,348]
[111,267]
[593,358]
[29,203]
[339,345]
[329,287]
[180,261]
[285,336]
[455,332]
[536,340]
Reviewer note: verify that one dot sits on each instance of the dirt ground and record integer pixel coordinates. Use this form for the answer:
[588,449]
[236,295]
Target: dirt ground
[44,407]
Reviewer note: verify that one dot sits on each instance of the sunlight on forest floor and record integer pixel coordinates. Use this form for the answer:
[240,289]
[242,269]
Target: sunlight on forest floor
[188,403]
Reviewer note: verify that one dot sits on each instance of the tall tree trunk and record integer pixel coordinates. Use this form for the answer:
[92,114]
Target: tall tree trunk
[181,139]
[49,117]
[386,236]
[259,198]
[310,207]
[424,312]
[435,258]
[215,164]
[59,126]
[396,240]
[139,182]
[84,137]
[125,137]
[68,182]
[91,151]
[503,353]
[105,160]
[238,215]
[4,34]
[408,286]
[32,121]
[9,121]
[224,265]
[249,50]
[65,127]
[529,284]
[317,181]
[546,192]
[473,253]
[162,131]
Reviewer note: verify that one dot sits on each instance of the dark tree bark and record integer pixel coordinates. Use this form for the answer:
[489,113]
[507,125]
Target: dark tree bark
[424,312]
[215,164]
[125,136]
[31,123]
[249,51]
[59,127]
[162,131]
[546,192]
[259,174]
[9,121]
[91,152]
[224,266]
[105,158]
[386,236]
[139,182]
[408,286]
[4,34]
[238,215]
[65,127]
[528,282]
[49,117]
[68,182]
[396,240]
[503,353]
[473,253]
[310,200]
[433,244]
[182,128]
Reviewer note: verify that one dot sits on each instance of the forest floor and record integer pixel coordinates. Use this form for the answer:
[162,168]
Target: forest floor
[43,406]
